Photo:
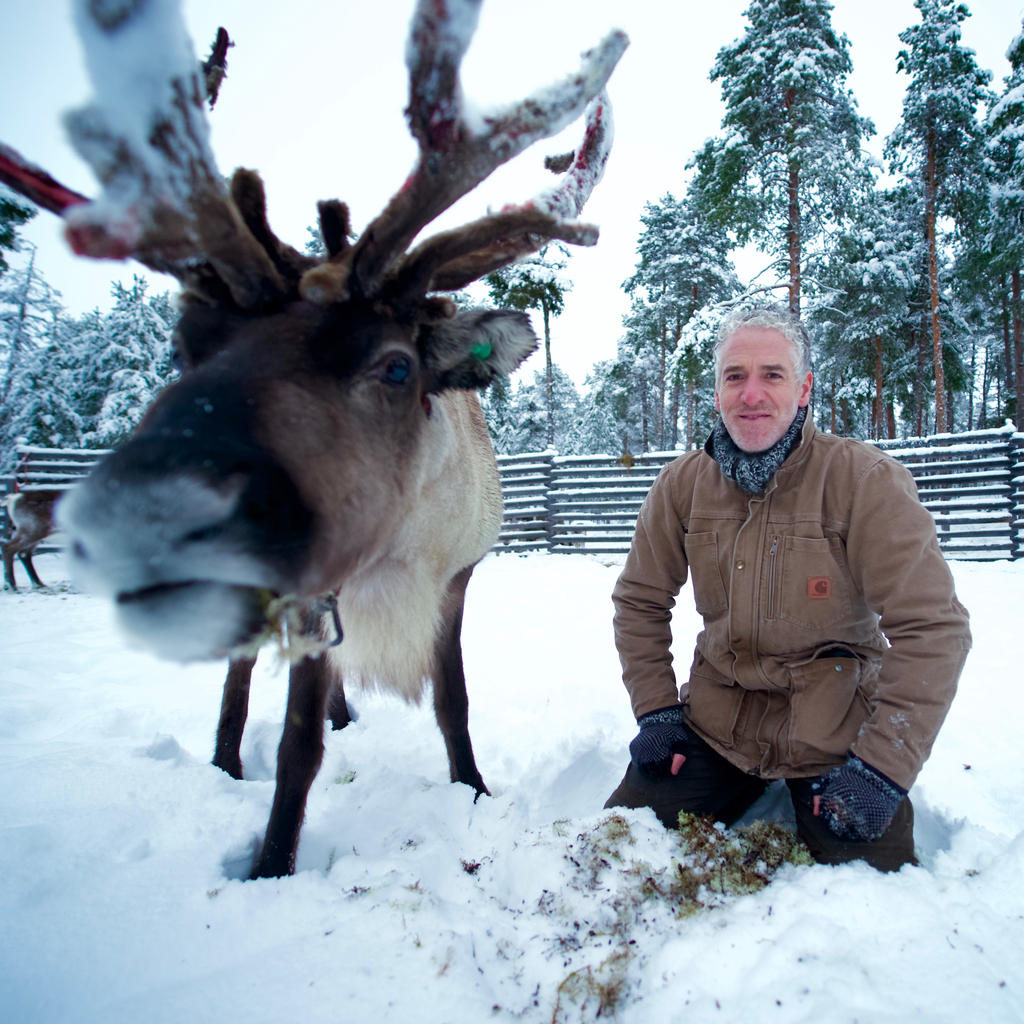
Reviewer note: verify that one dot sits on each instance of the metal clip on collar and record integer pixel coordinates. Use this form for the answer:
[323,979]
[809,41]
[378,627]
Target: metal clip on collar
[329,603]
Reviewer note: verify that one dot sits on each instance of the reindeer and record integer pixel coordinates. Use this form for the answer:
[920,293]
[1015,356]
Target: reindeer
[323,460]
[31,514]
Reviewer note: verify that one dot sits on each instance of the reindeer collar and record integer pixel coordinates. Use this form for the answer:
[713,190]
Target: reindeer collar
[293,625]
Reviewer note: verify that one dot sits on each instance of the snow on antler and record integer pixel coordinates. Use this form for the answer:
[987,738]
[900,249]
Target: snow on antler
[566,199]
[453,259]
[147,139]
[459,149]
[164,202]
[145,135]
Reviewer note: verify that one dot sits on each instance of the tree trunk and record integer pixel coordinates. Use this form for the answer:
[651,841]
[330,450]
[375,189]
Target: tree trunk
[673,417]
[986,383]
[1008,374]
[662,348]
[677,385]
[1018,344]
[549,377]
[645,445]
[793,214]
[691,411]
[921,343]
[930,192]
[793,235]
[877,405]
[970,390]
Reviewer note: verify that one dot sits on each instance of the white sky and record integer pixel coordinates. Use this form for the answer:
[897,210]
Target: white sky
[315,94]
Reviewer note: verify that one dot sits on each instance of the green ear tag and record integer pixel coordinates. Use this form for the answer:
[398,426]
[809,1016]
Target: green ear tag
[482,350]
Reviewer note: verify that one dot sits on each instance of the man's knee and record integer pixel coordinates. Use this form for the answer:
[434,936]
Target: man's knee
[706,784]
[890,852]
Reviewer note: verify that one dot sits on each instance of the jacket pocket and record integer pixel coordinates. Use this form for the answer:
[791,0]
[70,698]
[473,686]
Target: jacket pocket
[827,708]
[705,573]
[810,582]
[713,702]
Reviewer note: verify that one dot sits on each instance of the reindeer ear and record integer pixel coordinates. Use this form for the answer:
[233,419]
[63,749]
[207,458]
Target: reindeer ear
[474,347]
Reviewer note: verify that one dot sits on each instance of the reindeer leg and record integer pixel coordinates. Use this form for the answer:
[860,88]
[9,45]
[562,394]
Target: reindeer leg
[337,707]
[234,709]
[26,560]
[9,567]
[451,703]
[298,760]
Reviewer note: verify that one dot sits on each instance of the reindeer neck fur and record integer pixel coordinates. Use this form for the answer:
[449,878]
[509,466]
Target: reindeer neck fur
[392,609]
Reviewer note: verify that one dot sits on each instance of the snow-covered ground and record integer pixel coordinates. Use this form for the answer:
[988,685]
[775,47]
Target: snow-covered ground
[121,848]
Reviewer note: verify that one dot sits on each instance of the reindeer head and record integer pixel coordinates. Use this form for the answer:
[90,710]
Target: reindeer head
[316,412]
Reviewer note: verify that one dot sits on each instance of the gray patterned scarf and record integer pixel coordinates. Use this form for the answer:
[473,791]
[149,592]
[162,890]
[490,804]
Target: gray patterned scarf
[751,471]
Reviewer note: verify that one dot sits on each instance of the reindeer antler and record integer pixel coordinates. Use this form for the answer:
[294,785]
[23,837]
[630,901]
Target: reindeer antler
[454,259]
[455,156]
[166,204]
[35,184]
[147,139]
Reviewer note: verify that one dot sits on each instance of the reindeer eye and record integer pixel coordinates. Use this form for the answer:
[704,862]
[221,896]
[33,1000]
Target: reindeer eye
[397,369]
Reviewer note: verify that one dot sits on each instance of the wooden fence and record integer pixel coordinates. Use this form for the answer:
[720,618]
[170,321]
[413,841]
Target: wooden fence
[973,484]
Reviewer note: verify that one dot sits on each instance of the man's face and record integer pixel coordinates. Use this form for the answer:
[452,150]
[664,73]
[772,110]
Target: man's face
[758,391]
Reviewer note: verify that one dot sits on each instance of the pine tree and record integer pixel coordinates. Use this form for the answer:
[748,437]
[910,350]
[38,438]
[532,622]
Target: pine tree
[28,307]
[864,321]
[536,282]
[529,415]
[130,363]
[693,366]
[605,423]
[1005,238]
[498,415]
[630,384]
[938,144]
[597,431]
[42,400]
[683,266]
[788,163]
[528,421]
[88,385]
[13,214]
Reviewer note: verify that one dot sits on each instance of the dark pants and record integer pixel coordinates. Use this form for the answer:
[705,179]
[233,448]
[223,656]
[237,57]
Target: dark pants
[708,784]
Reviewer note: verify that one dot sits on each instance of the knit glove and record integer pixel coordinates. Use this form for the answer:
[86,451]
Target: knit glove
[857,801]
[661,735]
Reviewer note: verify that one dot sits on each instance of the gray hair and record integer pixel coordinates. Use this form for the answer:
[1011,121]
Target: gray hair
[776,318]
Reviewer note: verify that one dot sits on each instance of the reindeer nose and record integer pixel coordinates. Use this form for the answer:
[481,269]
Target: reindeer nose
[125,536]
[161,512]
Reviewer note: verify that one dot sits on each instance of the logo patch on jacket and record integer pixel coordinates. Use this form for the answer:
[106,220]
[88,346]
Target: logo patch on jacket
[819,588]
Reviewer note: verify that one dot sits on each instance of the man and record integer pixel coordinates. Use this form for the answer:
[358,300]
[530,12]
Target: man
[832,640]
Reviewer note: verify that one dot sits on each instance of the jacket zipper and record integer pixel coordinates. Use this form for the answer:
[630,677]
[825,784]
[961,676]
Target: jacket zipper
[772,561]
[755,639]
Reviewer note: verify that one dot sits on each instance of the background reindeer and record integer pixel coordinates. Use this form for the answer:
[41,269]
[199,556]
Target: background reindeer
[324,448]
[31,514]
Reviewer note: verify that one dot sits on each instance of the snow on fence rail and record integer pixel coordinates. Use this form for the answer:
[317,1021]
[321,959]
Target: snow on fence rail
[973,484]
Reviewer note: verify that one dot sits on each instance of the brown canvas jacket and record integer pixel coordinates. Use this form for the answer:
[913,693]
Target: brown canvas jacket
[837,558]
